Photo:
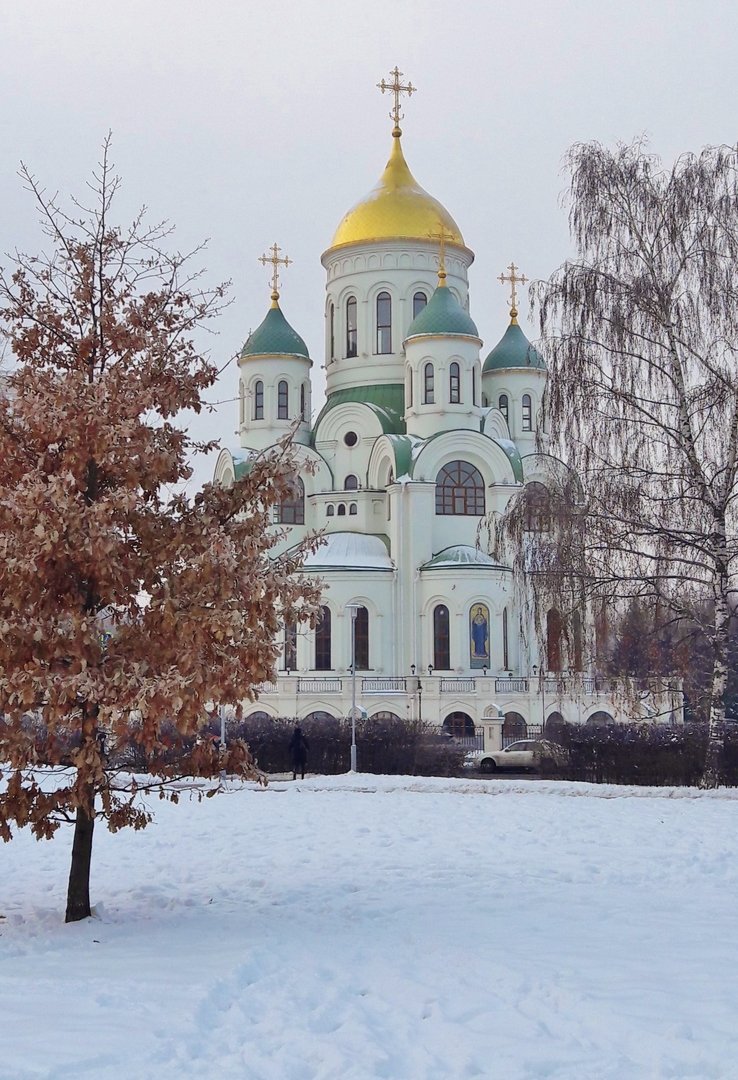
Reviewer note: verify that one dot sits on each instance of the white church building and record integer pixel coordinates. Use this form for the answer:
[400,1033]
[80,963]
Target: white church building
[423,436]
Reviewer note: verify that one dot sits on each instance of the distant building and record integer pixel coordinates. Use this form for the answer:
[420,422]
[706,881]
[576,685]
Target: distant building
[420,439]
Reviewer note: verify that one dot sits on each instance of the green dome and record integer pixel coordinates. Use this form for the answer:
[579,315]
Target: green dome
[513,350]
[443,314]
[275,337]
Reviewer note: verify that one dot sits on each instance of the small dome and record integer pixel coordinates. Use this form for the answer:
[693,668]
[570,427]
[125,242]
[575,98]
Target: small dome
[397,207]
[275,337]
[513,351]
[443,314]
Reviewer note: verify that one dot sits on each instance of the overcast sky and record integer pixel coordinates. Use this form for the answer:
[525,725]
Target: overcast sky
[249,122]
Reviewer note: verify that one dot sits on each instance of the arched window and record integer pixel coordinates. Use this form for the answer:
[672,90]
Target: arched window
[303,401]
[289,653]
[459,725]
[577,642]
[537,507]
[441,639]
[419,302]
[283,400]
[554,630]
[383,716]
[474,386]
[318,717]
[384,323]
[353,510]
[428,397]
[323,641]
[410,390]
[459,489]
[351,326]
[527,413]
[514,728]
[505,646]
[332,331]
[503,406]
[330,510]
[351,483]
[454,384]
[361,639]
[259,400]
[342,509]
[485,401]
[291,511]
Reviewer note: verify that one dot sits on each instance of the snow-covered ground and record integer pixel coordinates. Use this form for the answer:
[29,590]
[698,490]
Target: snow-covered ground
[383,927]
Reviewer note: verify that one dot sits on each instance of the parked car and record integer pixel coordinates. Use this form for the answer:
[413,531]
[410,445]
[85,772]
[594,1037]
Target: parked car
[526,754]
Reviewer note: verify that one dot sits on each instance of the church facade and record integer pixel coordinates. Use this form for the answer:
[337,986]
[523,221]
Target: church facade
[423,437]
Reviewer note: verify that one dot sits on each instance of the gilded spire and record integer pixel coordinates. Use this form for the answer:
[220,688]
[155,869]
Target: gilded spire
[276,262]
[395,87]
[441,236]
[513,280]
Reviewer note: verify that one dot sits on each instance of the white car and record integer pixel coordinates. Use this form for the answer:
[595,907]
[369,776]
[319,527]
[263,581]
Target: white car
[524,754]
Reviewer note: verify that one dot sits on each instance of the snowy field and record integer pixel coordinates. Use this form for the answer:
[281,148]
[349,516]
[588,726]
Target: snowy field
[348,928]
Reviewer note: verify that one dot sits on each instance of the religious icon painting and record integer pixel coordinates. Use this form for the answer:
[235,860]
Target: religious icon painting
[479,636]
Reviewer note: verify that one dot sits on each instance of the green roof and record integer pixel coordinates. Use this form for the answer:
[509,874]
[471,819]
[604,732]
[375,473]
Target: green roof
[275,337]
[461,555]
[443,314]
[386,401]
[514,351]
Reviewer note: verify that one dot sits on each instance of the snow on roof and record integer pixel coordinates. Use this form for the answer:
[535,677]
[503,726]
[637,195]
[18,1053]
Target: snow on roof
[460,555]
[349,550]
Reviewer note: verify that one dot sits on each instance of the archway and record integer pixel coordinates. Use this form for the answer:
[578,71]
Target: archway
[460,725]
[514,728]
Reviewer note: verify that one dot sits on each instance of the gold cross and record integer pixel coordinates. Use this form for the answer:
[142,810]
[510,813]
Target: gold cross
[441,236]
[514,280]
[276,262]
[395,87]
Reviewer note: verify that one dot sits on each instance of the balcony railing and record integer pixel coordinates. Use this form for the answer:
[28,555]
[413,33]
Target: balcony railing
[372,685]
[511,686]
[458,686]
[319,686]
[266,688]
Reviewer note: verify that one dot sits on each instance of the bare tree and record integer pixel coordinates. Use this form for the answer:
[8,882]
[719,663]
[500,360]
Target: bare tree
[125,607]
[641,333]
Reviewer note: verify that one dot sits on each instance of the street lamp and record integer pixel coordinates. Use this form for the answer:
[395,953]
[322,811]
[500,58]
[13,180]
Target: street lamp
[354,612]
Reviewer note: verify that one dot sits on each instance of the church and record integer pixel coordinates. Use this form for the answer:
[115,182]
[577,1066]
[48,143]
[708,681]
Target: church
[422,438]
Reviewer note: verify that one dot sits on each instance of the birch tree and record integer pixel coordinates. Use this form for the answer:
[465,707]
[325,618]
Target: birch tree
[641,331]
[125,606]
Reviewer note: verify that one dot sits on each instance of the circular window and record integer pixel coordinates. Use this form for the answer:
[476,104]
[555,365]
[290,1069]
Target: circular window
[351,438]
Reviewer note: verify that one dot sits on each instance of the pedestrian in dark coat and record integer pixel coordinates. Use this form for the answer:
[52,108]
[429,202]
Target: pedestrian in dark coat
[299,747]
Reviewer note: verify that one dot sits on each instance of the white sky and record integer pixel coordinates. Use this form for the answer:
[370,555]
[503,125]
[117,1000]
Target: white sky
[251,122]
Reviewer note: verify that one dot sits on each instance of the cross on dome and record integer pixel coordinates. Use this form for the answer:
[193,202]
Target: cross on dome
[395,87]
[276,262]
[513,280]
[441,236]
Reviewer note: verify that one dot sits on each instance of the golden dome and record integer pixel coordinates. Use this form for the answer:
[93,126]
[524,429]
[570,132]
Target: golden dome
[396,208]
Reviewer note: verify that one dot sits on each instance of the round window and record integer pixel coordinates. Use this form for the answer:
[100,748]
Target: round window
[351,438]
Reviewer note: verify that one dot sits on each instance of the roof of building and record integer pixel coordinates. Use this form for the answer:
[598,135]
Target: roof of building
[396,207]
[386,400]
[462,556]
[274,337]
[351,551]
[513,350]
[443,314]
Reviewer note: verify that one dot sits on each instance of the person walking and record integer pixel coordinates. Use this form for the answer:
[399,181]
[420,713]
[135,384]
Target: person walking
[298,748]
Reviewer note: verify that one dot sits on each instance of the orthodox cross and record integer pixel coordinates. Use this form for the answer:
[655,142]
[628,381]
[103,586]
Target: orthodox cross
[395,87]
[276,262]
[513,280]
[441,236]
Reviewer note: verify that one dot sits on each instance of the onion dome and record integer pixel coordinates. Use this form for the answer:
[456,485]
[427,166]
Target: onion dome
[274,336]
[396,208]
[443,314]
[513,351]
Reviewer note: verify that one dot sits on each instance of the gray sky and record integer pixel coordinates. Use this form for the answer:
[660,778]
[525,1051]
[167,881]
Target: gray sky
[251,122]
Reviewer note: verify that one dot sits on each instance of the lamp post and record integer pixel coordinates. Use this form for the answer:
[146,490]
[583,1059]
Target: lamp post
[353,611]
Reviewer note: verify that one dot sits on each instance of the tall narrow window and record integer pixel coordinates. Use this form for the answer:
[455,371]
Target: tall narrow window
[259,400]
[323,641]
[527,413]
[505,646]
[361,639]
[474,386]
[283,400]
[289,654]
[351,335]
[419,302]
[441,639]
[410,390]
[384,323]
[332,331]
[454,379]
[303,401]
[503,406]
[553,640]
[351,483]
[291,510]
[577,641]
[428,395]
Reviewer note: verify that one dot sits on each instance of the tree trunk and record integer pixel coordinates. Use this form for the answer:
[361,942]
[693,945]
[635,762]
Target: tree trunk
[78,891]
[712,773]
